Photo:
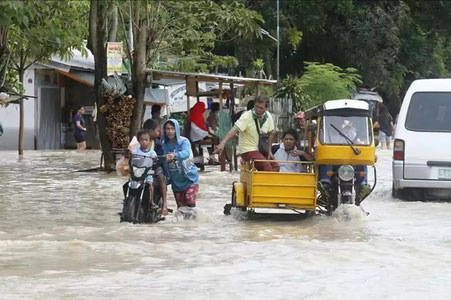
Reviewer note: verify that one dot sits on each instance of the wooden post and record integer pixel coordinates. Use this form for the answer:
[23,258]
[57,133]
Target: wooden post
[197,91]
[222,158]
[233,159]
[220,95]
[188,106]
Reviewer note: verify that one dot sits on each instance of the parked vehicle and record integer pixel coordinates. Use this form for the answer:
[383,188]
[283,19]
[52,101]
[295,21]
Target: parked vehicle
[374,101]
[422,146]
[372,98]
[140,206]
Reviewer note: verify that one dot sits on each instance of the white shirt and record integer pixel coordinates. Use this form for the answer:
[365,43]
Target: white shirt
[281,154]
[197,133]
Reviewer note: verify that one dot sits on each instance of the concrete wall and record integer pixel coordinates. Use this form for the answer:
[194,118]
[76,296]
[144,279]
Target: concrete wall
[9,117]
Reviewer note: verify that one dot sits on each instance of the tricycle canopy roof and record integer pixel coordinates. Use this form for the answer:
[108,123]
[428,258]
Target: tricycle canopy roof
[342,107]
[192,80]
[165,77]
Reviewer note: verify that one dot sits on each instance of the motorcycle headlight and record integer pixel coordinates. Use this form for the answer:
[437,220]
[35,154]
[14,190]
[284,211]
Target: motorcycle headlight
[138,172]
[346,173]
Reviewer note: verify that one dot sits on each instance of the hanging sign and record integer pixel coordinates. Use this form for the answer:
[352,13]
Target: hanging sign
[114,58]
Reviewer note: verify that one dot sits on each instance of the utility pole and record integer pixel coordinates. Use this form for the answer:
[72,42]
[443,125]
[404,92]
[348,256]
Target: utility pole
[264,32]
[278,42]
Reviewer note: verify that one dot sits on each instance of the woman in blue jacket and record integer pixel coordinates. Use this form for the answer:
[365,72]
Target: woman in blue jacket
[183,174]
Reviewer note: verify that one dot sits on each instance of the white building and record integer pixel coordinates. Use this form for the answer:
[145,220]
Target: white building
[59,87]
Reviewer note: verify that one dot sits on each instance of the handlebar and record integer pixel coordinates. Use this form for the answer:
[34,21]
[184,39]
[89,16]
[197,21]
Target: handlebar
[158,157]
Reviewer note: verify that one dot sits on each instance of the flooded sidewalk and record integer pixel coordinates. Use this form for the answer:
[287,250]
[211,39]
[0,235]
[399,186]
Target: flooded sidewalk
[60,237]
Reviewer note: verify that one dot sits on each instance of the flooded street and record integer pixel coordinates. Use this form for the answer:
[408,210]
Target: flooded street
[60,237]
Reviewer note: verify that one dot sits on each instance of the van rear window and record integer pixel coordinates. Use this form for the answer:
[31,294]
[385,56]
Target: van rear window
[429,111]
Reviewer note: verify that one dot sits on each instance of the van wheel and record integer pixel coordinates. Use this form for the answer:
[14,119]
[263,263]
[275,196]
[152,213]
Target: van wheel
[394,192]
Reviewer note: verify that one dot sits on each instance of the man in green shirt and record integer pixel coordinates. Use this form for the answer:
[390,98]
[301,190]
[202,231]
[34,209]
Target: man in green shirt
[246,128]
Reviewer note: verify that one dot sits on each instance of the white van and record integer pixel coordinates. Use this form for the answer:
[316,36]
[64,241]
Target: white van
[422,147]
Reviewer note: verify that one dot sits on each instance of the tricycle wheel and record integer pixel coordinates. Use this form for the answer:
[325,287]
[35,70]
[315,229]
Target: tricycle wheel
[233,196]
[309,213]
[228,206]
[227,209]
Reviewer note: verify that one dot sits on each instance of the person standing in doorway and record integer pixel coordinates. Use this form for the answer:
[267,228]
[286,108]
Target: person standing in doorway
[80,129]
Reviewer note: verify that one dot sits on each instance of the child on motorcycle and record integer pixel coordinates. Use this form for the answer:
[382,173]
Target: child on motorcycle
[145,149]
[160,174]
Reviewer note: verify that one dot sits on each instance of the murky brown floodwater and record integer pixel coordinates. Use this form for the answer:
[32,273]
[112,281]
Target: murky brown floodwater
[60,237]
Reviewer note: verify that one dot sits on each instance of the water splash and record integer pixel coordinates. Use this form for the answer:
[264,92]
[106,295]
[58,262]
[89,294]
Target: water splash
[348,212]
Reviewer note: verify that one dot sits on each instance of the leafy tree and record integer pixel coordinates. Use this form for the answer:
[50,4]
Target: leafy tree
[99,34]
[370,40]
[322,82]
[11,14]
[249,48]
[187,29]
[35,36]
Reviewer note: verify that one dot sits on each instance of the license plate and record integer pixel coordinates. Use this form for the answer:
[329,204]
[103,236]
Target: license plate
[444,174]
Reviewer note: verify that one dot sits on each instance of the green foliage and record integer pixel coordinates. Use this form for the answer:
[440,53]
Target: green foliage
[291,87]
[253,90]
[391,43]
[294,37]
[371,39]
[322,82]
[181,117]
[223,61]
[186,64]
[206,64]
[259,64]
[12,79]
[34,36]
[191,29]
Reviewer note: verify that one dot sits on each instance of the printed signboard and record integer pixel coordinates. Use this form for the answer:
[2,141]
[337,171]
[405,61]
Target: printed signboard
[114,58]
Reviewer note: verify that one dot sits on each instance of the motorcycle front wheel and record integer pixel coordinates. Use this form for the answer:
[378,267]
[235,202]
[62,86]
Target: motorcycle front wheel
[130,209]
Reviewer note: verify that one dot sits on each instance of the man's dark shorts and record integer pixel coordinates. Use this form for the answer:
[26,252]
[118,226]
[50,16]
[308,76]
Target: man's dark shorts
[79,138]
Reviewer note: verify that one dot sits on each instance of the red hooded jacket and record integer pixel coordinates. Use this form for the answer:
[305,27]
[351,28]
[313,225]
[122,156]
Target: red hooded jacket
[196,115]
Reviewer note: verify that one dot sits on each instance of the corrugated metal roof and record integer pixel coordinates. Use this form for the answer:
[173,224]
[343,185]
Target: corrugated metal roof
[77,60]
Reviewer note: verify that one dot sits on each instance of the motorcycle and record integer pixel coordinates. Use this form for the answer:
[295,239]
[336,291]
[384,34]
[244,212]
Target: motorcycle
[140,206]
[347,186]
[345,149]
